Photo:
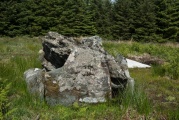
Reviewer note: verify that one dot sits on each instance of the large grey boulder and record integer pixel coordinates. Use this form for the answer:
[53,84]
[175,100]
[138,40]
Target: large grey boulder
[76,71]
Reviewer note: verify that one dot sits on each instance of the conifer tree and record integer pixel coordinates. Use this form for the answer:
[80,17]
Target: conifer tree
[8,18]
[141,20]
[106,19]
[134,19]
[174,21]
[122,27]
[162,19]
[3,17]
[167,19]
[176,18]
[74,20]
[144,20]
[101,11]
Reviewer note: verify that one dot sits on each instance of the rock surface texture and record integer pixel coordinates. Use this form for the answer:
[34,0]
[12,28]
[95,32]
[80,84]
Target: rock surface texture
[76,71]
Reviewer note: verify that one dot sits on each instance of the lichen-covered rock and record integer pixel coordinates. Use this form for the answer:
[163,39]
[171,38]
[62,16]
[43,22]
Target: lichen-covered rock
[34,79]
[76,71]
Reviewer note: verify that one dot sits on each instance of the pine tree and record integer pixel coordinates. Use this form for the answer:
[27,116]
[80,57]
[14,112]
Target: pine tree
[101,11]
[46,16]
[17,15]
[8,19]
[122,20]
[3,17]
[174,21]
[144,20]
[162,19]
[167,19]
[107,19]
[134,19]
[74,20]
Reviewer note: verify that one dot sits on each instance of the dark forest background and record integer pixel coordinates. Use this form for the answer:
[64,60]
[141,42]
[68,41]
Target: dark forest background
[139,20]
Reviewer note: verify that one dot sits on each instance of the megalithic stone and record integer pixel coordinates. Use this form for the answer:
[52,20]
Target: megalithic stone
[76,71]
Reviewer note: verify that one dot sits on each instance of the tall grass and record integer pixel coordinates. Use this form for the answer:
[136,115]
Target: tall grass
[20,54]
[168,53]
[138,100]
[28,105]
[161,51]
[173,114]
[157,80]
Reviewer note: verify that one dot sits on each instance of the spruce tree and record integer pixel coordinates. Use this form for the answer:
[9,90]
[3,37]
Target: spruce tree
[47,15]
[107,19]
[134,19]
[3,17]
[74,20]
[144,20]
[9,11]
[168,19]
[122,20]
[174,21]
[101,11]
[162,19]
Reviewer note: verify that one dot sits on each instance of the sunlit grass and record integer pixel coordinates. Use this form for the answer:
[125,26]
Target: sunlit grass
[168,53]
[152,93]
[159,82]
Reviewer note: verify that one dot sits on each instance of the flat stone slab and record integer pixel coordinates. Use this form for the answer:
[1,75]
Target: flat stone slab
[135,64]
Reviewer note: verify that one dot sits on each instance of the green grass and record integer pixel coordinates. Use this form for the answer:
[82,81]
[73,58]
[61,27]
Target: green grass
[135,48]
[168,53]
[156,96]
[160,82]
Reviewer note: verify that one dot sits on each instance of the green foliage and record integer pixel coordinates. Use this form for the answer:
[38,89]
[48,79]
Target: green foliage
[168,53]
[141,102]
[5,104]
[170,69]
[146,20]
[101,13]
[75,20]
[19,54]
[167,19]
[138,101]
[36,18]
[122,25]
[134,19]
[173,114]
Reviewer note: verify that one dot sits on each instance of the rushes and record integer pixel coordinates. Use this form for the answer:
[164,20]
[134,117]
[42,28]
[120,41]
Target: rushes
[138,101]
